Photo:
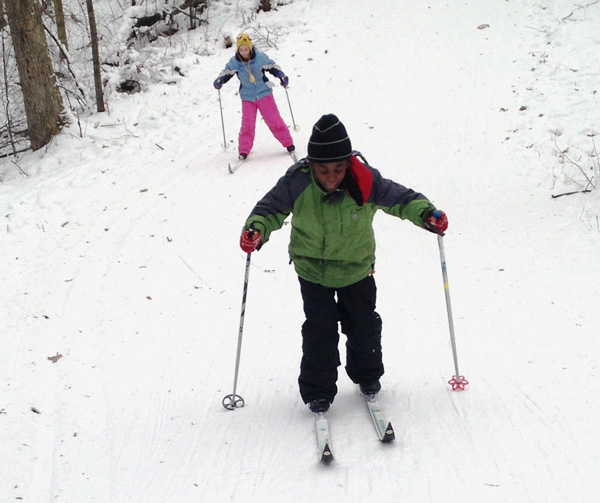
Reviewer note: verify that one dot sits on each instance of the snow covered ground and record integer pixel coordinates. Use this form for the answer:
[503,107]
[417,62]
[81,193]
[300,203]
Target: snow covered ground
[122,276]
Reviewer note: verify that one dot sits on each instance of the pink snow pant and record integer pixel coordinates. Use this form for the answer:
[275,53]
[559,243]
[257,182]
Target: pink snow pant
[270,113]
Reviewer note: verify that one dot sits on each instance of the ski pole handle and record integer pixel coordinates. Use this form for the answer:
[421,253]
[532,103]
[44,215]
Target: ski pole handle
[439,224]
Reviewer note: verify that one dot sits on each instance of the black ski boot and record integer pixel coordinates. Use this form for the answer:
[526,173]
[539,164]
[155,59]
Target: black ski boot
[319,405]
[370,388]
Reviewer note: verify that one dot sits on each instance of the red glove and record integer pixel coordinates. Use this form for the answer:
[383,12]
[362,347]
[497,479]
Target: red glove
[435,221]
[249,240]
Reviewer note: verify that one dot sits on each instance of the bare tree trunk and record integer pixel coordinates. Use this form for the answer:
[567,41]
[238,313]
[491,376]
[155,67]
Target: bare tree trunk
[43,103]
[60,25]
[2,19]
[95,57]
[9,128]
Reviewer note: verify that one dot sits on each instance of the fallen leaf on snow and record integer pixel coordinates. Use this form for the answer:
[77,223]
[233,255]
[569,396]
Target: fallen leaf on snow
[55,358]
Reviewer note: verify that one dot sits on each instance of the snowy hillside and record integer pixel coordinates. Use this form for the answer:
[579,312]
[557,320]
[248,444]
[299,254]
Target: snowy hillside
[122,275]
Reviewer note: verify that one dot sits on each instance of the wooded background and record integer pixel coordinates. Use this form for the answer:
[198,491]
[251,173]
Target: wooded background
[55,56]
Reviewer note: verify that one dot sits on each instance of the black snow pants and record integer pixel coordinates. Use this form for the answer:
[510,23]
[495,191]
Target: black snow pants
[355,310]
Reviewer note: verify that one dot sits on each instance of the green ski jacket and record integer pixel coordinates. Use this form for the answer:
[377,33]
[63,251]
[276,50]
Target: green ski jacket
[332,242]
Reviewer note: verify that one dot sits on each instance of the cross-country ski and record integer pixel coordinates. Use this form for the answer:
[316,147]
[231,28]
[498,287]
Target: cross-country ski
[323,438]
[233,167]
[383,427]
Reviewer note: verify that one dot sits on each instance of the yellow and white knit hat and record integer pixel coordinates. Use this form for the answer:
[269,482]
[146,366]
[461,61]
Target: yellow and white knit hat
[244,39]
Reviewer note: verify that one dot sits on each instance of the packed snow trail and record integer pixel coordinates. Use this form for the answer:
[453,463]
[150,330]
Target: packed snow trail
[120,255]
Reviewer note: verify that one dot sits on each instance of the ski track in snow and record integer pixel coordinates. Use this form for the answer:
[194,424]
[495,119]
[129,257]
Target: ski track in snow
[120,254]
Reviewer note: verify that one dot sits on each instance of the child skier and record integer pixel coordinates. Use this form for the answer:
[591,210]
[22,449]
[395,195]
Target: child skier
[333,195]
[250,67]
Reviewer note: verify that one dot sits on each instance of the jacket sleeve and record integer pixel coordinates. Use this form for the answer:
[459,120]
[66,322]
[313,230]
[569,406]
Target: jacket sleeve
[270,66]
[228,72]
[271,211]
[398,200]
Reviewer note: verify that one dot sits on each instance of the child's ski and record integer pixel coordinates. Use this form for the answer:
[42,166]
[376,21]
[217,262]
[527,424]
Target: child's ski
[323,438]
[232,168]
[384,428]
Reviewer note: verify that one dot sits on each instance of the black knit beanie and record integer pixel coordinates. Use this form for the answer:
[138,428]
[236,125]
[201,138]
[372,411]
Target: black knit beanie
[329,141]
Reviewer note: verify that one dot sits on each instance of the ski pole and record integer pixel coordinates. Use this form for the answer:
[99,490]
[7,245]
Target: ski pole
[457,382]
[233,401]
[296,128]
[222,121]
